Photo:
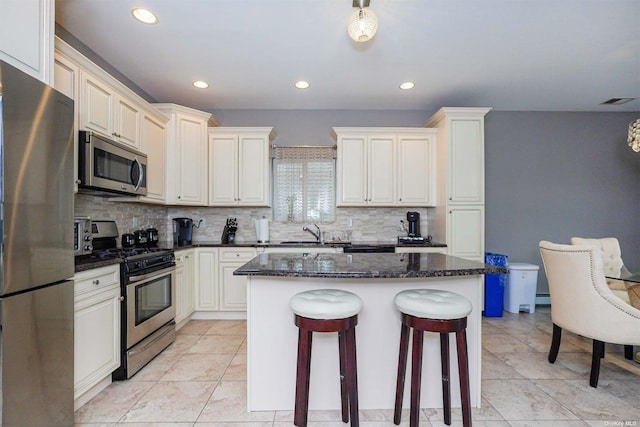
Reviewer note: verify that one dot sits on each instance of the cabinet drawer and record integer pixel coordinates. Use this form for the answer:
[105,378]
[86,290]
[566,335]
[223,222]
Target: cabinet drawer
[90,281]
[239,254]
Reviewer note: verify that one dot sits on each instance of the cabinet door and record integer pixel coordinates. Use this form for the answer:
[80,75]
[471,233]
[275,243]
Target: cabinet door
[207,279]
[381,156]
[66,80]
[97,338]
[352,171]
[466,164]
[26,36]
[127,123]
[223,170]
[96,105]
[184,285]
[254,171]
[416,167]
[189,300]
[233,289]
[465,232]
[192,157]
[154,144]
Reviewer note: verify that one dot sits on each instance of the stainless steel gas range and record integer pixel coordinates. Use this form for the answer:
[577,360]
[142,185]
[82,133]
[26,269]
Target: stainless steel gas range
[147,276]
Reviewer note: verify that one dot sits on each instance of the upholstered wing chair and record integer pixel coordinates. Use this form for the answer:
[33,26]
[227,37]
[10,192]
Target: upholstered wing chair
[611,262]
[582,302]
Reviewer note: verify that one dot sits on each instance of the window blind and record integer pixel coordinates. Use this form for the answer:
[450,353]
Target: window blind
[304,184]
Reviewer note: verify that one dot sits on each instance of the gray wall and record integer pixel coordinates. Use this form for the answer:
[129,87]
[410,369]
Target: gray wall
[553,175]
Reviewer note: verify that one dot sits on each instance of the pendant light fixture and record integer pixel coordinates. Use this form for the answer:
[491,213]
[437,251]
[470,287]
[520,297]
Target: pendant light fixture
[363,23]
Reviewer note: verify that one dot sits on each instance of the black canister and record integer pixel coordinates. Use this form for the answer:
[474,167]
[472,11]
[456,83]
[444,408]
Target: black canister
[128,240]
[152,236]
[141,238]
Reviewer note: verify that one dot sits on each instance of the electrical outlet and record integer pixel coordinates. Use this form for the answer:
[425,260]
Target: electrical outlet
[349,222]
[134,222]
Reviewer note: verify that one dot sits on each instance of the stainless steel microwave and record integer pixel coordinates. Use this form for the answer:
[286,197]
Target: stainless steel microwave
[107,166]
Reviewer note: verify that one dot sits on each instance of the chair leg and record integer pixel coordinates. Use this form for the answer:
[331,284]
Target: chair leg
[555,343]
[344,396]
[628,352]
[416,377]
[463,373]
[446,383]
[302,378]
[402,369]
[352,375]
[597,354]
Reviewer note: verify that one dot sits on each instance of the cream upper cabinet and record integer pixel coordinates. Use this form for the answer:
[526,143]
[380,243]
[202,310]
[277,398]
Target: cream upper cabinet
[365,170]
[240,166]
[154,144]
[458,219]
[104,110]
[187,168]
[66,75]
[26,36]
[384,166]
[416,183]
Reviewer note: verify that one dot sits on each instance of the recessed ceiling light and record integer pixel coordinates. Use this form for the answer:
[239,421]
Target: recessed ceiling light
[301,84]
[143,15]
[200,84]
[407,85]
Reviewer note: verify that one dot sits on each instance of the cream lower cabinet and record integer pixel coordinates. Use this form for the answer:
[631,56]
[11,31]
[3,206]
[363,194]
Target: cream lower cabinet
[206,283]
[240,166]
[96,326]
[233,289]
[185,286]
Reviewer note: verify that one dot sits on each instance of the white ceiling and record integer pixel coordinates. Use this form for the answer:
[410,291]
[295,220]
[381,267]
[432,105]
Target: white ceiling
[517,55]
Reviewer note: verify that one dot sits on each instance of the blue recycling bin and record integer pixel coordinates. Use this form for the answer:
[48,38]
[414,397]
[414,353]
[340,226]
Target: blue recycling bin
[494,285]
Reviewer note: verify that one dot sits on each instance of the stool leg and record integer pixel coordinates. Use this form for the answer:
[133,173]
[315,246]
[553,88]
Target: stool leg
[446,383]
[416,376]
[463,373]
[302,378]
[352,375]
[344,396]
[402,369]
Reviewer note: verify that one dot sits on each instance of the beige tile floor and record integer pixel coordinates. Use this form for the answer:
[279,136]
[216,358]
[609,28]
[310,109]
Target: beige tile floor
[200,380]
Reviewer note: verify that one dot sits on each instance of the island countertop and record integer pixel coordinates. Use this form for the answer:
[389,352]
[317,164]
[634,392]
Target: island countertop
[364,265]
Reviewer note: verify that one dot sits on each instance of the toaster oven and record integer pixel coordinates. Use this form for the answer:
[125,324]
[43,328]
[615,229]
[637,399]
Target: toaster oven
[82,236]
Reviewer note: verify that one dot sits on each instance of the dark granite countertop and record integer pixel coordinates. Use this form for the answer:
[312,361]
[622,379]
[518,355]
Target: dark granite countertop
[364,265]
[255,244]
[85,263]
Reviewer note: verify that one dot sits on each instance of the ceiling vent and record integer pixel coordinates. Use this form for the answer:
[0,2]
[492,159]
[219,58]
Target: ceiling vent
[617,101]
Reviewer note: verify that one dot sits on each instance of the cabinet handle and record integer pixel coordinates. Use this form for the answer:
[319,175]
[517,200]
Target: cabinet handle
[237,254]
[121,299]
[178,197]
[96,282]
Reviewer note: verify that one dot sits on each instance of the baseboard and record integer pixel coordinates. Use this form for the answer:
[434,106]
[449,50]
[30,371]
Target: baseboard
[543,299]
[91,393]
[219,315]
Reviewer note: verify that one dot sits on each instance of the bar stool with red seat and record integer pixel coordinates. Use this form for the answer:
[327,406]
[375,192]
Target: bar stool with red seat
[327,310]
[443,312]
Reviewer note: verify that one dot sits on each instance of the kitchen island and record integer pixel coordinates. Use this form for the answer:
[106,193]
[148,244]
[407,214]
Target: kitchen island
[375,278]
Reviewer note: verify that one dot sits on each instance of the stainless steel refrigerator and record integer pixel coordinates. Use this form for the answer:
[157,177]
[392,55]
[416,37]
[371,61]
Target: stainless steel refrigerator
[36,255]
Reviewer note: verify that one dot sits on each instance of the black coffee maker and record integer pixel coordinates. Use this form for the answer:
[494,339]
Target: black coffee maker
[413,218]
[182,231]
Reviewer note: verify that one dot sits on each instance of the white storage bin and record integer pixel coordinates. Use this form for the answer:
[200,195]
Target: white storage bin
[520,292]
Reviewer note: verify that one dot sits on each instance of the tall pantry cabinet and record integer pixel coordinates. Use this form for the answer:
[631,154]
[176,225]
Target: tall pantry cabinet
[458,218]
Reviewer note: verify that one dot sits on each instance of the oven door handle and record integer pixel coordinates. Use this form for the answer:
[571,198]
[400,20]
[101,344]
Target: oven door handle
[133,279]
[147,345]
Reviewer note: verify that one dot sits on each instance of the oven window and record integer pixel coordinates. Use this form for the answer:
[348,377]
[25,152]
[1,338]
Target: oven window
[152,297]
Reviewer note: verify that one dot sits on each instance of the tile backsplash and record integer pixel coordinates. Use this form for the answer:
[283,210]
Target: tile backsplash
[367,224]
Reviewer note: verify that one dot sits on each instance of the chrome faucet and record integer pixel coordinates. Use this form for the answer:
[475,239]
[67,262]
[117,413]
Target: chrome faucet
[317,234]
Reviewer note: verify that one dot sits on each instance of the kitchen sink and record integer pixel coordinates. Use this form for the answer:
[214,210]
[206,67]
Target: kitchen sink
[300,242]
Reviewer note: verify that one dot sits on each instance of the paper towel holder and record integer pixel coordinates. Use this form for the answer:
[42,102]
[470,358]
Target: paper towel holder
[262,229]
